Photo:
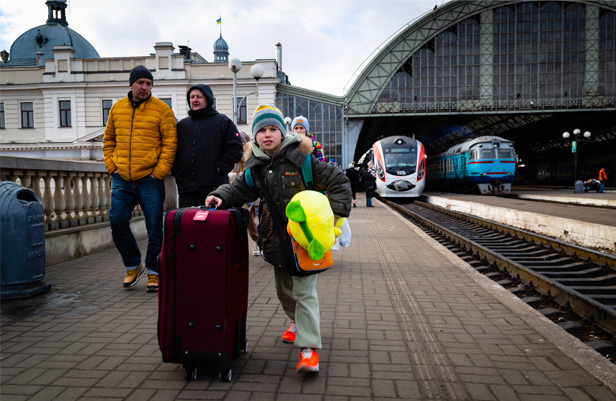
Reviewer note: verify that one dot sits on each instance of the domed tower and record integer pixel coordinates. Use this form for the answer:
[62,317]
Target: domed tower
[221,51]
[38,43]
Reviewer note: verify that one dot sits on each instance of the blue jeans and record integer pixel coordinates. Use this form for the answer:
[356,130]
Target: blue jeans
[602,185]
[148,192]
[369,202]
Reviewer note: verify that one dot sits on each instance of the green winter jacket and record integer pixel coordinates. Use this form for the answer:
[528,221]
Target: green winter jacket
[282,177]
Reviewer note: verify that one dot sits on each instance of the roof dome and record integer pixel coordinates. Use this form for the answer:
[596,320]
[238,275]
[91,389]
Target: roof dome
[221,50]
[42,39]
[221,45]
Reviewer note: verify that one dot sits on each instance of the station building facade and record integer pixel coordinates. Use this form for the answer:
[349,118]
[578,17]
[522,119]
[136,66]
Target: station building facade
[524,70]
[56,91]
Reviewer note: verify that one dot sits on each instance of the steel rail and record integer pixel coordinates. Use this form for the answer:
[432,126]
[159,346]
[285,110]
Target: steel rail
[582,305]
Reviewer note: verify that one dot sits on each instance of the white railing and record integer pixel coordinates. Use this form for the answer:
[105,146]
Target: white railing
[73,193]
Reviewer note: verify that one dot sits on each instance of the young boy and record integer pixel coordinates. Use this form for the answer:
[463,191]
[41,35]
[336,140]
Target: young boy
[277,158]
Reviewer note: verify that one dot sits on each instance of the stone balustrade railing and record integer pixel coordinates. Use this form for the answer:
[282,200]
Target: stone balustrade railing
[73,193]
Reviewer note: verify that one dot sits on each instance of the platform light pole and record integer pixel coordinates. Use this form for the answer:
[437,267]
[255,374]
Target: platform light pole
[235,65]
[257,72]
[574,147]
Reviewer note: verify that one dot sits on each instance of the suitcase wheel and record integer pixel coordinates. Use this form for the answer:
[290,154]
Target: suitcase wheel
[191,373]
[225,375]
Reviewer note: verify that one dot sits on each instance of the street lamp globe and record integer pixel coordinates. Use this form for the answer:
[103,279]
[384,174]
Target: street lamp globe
[587,134]
[257,71]
[235,65]
[565,135]
[576,131]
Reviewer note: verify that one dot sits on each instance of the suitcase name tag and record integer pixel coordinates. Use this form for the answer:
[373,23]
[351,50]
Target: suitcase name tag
[201,215]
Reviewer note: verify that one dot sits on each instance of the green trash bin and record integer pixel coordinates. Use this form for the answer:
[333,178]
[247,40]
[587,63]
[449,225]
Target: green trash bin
[22,242]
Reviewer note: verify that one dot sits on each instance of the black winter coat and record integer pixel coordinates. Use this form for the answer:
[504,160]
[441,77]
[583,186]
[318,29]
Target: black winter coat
[209,145]
[283,179]
[353,177]
[369,183]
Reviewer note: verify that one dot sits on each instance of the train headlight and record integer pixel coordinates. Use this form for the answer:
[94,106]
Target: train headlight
[379,171]
[421,170]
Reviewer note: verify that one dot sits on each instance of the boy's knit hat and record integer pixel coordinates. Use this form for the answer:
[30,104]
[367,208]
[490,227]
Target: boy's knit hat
[268,115]
[300,120]
[139,72]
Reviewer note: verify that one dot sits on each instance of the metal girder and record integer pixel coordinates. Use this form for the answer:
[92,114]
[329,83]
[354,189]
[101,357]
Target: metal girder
[364,93]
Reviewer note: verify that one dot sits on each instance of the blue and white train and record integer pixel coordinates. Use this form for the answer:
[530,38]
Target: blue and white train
[400,164]
[486,163]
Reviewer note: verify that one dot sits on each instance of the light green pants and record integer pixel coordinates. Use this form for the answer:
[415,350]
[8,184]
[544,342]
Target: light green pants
[299,299]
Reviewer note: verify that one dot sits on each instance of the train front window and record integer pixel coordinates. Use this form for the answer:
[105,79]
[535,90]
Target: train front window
[505,153]
[487,154]
[400,160]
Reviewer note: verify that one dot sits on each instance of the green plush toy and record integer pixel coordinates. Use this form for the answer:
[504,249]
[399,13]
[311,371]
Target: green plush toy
[311,223]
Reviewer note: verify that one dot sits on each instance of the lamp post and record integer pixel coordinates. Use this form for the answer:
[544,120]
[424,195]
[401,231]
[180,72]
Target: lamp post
[235,65]
[239,105]
[574,146]
[257,71]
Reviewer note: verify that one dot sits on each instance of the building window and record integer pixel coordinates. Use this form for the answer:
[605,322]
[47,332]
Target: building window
[2,126]
[65,113]
[106,109]
[167,102]
[27,115]
[241,118]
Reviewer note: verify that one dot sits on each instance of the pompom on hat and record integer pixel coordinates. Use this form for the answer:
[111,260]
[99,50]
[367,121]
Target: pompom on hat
[139,72]
[266,115]
[300,120]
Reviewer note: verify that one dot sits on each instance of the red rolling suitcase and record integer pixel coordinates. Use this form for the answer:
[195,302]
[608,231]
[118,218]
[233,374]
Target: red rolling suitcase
[203,288]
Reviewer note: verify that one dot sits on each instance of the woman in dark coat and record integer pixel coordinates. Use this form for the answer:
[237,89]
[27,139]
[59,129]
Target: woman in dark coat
[353,177]
[369,178]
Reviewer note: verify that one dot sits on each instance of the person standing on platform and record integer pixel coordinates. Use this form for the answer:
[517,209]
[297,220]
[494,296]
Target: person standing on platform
[209,145]
[369,179]
[139,146]
[602,179]
[300,126]
[353,177]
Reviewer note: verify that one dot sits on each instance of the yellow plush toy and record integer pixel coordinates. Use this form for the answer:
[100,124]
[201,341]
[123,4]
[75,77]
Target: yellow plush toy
[311,223]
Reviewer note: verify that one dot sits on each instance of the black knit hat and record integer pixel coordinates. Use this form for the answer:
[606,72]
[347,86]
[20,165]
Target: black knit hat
[139,72]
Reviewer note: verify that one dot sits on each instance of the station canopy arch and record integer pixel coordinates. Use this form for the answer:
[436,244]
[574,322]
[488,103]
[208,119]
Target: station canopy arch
[475,109]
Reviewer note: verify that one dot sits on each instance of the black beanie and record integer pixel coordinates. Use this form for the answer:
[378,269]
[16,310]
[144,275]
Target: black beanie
[139,72]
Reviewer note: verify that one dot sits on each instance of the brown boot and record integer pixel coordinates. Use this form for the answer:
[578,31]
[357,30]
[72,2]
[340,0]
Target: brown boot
[132,276]
[152,282]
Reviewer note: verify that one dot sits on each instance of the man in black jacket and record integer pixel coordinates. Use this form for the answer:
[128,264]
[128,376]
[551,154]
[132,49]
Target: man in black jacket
[209,145]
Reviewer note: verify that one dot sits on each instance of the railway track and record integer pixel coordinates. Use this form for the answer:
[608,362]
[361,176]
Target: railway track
[573,286]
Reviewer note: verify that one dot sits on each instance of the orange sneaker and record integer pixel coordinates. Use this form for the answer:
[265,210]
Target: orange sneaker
[289,335]
[308,362]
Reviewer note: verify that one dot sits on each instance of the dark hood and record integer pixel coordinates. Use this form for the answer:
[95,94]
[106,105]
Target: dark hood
[207,92]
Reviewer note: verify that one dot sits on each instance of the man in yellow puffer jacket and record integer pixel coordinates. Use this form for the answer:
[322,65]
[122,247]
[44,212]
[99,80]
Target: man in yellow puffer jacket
[139,145]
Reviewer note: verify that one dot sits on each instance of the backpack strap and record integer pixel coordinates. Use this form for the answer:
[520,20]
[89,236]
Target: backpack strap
[248,180]
[307,172]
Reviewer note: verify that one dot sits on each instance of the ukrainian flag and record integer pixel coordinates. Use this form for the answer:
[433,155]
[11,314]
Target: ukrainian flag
[219,20]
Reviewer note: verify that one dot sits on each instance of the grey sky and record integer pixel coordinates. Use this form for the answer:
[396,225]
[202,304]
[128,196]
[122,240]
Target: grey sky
[323,42]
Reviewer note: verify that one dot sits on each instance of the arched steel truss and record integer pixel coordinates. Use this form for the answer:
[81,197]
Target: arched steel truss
[361,100]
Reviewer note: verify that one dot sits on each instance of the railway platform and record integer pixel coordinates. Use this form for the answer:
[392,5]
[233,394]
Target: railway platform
[585,219]
[401,318]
